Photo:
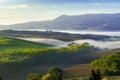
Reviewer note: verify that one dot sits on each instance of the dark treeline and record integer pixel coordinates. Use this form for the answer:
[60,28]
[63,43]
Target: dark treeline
[51,34]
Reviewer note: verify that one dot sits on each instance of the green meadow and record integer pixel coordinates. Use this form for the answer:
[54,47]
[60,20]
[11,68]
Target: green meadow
[16,54]
[11,44]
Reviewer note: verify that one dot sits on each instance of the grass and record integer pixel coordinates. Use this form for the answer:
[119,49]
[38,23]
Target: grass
[19,55]
[29,53]
[31,56]
[16,50]
[10,45]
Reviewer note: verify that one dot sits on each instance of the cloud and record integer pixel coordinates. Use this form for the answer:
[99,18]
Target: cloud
[68,1]
[15,6]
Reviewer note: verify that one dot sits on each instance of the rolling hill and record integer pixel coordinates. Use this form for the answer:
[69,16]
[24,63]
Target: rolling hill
[22,61]
[12,44]
[96,22]
[18,55]
[79,67]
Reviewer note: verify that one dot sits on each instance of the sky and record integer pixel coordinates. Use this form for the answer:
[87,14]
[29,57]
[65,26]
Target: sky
[20,11]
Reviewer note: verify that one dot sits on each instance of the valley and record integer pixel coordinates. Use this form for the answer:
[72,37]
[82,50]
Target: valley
[59,39]
[37,51]
[62,39]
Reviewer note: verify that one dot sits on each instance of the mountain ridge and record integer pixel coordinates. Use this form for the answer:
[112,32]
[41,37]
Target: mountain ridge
[95,22]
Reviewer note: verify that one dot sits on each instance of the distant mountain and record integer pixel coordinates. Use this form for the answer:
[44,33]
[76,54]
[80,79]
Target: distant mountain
[98,22]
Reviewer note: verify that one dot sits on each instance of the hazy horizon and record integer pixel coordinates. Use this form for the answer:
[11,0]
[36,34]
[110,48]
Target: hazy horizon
[20,11]
[55,18]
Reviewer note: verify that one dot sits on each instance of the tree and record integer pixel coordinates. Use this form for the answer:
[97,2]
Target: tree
[96,75]
[52,74]
[110,64]
[56,73]
[47,77]
[34,76]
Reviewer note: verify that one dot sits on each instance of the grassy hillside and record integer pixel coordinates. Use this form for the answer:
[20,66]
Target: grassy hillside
[25,57]
[83,67]
[16,51]
[77,66]
[11,44]
[19,55]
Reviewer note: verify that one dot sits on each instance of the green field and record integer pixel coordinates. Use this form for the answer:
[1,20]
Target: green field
[11,44]
[20,57]
[15,52]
